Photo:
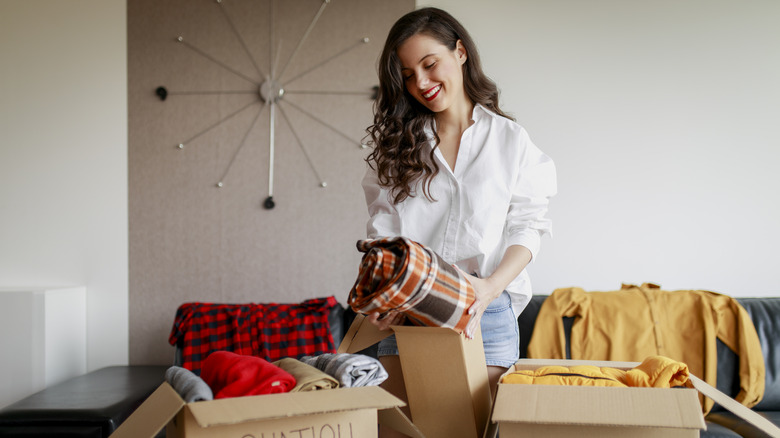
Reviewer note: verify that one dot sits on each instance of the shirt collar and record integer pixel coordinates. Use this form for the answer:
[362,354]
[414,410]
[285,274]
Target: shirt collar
[477,113]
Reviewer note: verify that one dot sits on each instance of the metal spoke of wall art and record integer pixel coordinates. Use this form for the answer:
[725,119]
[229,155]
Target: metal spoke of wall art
[270,90]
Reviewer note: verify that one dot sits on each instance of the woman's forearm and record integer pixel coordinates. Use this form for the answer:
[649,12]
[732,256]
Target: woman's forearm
[515,259]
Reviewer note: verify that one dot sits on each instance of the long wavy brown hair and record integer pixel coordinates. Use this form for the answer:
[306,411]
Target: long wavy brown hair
[398,133]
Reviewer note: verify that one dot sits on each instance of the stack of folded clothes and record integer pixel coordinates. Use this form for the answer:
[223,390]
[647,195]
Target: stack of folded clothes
[225,374]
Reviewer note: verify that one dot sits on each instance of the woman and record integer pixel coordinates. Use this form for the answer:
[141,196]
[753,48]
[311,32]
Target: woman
[451,171]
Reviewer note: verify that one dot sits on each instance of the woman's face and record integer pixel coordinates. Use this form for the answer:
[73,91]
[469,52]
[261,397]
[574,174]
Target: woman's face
[433,73]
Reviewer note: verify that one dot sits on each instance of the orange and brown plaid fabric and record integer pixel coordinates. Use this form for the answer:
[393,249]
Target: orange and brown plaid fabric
[399,274]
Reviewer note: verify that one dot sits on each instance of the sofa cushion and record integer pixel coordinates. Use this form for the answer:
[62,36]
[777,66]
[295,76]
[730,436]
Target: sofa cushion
[337,326]
[764,313]
[728,373]
[526,321]
[715,430]
[740,426]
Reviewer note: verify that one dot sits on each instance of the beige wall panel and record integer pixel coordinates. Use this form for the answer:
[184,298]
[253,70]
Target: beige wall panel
[192,241]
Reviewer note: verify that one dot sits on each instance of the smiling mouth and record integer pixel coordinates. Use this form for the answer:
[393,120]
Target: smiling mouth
[432,93]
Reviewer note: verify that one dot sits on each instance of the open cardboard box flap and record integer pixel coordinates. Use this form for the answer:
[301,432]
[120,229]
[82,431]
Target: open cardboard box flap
[736,407]
[160,407]
[361,335]
[676,408]
[153,414]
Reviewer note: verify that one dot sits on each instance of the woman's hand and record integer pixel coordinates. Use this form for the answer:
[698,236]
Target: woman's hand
[515,259]
[392,317]
[485,292]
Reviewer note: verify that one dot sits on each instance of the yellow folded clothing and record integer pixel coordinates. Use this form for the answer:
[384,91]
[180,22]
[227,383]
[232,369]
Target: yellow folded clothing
[308,378]
[658,372]
[580,375]
[653,372]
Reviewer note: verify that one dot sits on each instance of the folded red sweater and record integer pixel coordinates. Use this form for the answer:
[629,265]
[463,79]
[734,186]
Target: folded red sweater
[234,375]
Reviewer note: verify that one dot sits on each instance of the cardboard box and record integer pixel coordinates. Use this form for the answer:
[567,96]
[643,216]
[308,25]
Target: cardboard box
[583,411]
[445,376]
[334,413]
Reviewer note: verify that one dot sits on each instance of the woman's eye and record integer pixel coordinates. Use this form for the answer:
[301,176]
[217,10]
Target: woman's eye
[430,65]
[407,77]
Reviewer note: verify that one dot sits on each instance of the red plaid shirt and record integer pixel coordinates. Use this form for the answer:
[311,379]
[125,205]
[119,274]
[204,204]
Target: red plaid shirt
[270,331]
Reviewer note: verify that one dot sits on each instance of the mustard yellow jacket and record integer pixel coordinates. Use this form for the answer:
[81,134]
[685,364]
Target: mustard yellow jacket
[640,321]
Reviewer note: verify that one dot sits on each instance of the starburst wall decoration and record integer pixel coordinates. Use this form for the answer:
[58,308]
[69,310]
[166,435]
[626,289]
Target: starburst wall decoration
[270,86]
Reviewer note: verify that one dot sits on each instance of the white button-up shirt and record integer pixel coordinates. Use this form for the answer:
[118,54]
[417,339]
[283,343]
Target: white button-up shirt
[496,197]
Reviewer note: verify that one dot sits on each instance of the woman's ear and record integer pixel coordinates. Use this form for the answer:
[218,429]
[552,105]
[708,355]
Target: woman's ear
[460,52]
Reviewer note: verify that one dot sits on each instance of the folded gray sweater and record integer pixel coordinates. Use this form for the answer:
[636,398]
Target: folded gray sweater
[349,369]
[191,387]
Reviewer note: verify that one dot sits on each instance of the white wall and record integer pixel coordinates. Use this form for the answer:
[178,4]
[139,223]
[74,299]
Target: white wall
[662,119]
[63,158]
[45,333]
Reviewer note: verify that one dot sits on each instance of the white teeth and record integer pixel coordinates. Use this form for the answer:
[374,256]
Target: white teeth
[432,92]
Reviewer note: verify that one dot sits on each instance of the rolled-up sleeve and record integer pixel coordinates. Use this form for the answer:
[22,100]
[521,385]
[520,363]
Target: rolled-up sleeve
[535,184]
[384,220]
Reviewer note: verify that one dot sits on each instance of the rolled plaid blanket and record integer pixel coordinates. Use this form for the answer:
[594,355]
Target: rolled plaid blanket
[399,274]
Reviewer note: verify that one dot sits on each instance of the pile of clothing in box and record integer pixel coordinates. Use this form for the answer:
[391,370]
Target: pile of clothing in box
[225,374]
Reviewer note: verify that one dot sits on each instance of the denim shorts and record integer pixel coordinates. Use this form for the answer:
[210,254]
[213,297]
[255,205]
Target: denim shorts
[500,334]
